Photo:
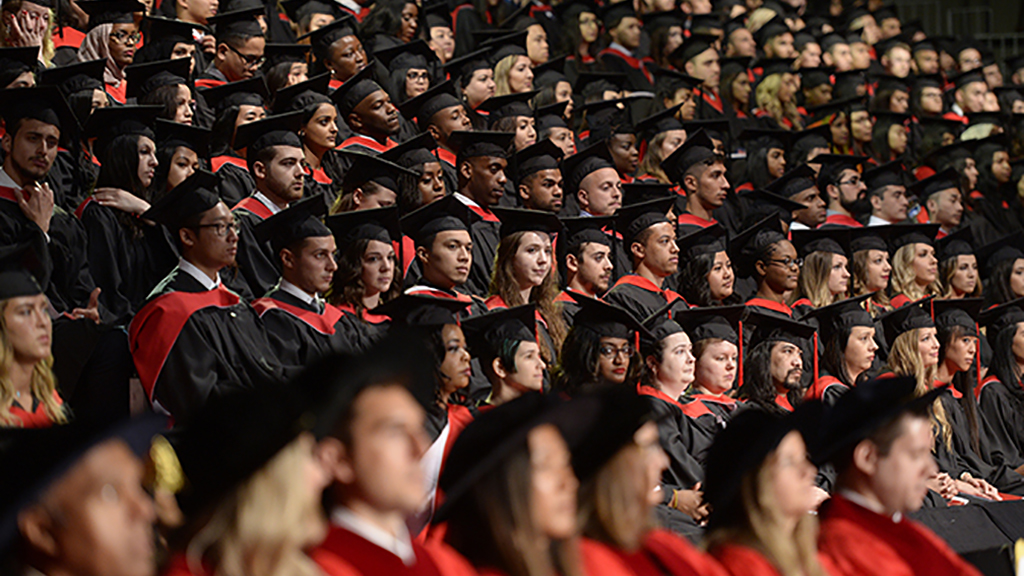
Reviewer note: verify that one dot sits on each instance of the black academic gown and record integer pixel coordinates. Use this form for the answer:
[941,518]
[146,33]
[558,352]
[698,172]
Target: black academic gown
[191,344]
[486,234]
[639,296]
[70,181]
[299,332]
[256,262]
[126,267]
[356,333]
[234,180]
[1003,408]
[638,78]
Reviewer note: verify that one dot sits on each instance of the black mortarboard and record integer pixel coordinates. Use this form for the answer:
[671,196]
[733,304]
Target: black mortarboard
[901,235]
[236,23]
[693,46]
[864,409]
[807,139]
[906,318]
[845,83]
[741,448]
[519,220]
[584,229]
[43,103]
[708,240]
[467,64]
[997,318]
[380,224]
[773,328]
[660,325]
[606,118]
[697,148]
[413,153]
[505,45]
[347,96]
[631,220]
[111,11]
[174,134]
[298,221]
[831,240]
[544,155]
[831,39]
[869,238]
[108,123]
[305,96]
[767,137]
[297,10]
[421,311]
[734,24]
[832,165]
[75,78]
[712,322]
[24,269]
[640,191]
[658,122]
[943,180]
[424,106]
[16,61]
[958,243]
[744,247]
[34,459]
[839,316]
[793,182]
[499,107]
[665,19]
[584,162]
[235,5]
[371,168]
[416,54]
[966,78]
[669,82]
[281,53]
[479,143]
[197,194]
[605,431]
[814,77]
[959,312]
[277,130]
[437,15]
[322,38]
[776,66]
[928,81]
[487,333]
[845,105]
[550,116]
[550,73]
[250,92]
[975,118]
[145,78]
[607,320]
[759,203]
[888,174]
[157,28]
[613,81]
[613,13]
[1006,248]
[448,213]
[702,23]
[770,29]
[565,11]
[887,82]
[716,129]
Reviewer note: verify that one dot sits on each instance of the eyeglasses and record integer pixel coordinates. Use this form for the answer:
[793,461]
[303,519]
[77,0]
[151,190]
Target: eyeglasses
[789,262]
[851,182]
[125,38]
[252,61]
[415,76]
[221,229]
[609,351]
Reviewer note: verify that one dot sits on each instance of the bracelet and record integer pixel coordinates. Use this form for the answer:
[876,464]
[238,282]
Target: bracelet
[672,502]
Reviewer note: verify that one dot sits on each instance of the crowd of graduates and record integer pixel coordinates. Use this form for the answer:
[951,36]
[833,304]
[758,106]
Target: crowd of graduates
[326,287]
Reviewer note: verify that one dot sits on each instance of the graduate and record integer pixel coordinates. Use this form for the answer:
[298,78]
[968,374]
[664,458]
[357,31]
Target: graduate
[319,130]
[163,83]
[763,253]
[714,334]
[798,185]
[887,194]
[592,185]
[233,105]
[180,151]
[706,276]
[958,266]
[997,398]
[112,35]
[239,48]
[441,113]
[505,343]
[337,49]
[840,183]
[824,277]
[427,182]
[194,339]
[600,350]
[847,345]
[773,367]
[915,270]
[367,110]
[370,182]
[585,260]
[700,174]
[539,181]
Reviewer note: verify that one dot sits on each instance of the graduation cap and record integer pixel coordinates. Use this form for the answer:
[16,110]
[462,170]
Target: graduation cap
[969,77]
[935,183]
[814,77]
[75,78]
[371,168]
[158,28]
[698,148]
[640,191]
[380,224]
[741,448]
[771,29]
[711,322]
[705,23]
[234,5]
[845,83]
[658,123]
[34,459]
[606,430]
[604,319]
[772,328]
[437,15]
[901,235]
[499,107]
[356,89]
[958,312]
[831,240]
[606,118]
[322,38]
[998,318]
[505,45]
[277,130]
[759,203]
[589,82]
[716,129]
[927,81]
[108,123]
[889,119]
[869,238]
[583,229]
[250,92]
[16,61]
[464,66]
[844,105]
[1006,248]
[776,66]
[734,24]
[237,23]
[565,11]
[767,138]
[708,240]
[111,11]
[745,248]
[659,325]
[520,220]
[631,220]
[909,317]
[43,103]
[479,143]
[544,155]
[175,134]
[888,174]
[197,194]
[442,215]
[584,162]
[145,78]
[1014,63]
[550,116]
[487,333]
[424,106]
[298,221]
[304,95]
[416,54]
[975,118]
[793,182]
[24,269]
[550,73]
[413,153]
[833,165]
[613,13]
[284,53]
[830,40]
[958,243]
[863,410]
[421,311]
[693,46]
[735,65]
[298,10]
[834,319]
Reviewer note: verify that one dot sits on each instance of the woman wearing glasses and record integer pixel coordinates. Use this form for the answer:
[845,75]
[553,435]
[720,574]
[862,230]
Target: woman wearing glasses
[112,36]
[600,349]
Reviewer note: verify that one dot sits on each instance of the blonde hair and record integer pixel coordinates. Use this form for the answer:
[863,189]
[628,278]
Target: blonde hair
[651,164]
[813,281]
[263,526]
[795,555]
[501,72]
[767,99]
[903,279]
[759,18]
[905,360]
[859,281]
[609,508]
[43,384]
[47,50]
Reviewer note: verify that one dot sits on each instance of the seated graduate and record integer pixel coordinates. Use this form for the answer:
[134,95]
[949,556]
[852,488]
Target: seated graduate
[763,253]
[180,151]
[288,64]
[592,186]
[760,486]
[427,183]
[513,511]
[846,348]
[650,236]
[870,268]
[998,399]
[194,339]
[377,479]
[798,185]
[662,134]
[28,387]
[127,255]
[233,105]
[252,483]
[274,160]
[584,260]
[600,349]
[239,48]
[319,126]
[112,35]
[301,327]
[163,83]
[1002,265]
[512,113]
[700,173]
[524,272]
[824,277]
[538,178]
[840,184]
[505,343]
[878,436]
[773,367]
[706,277]
[668,370]
[915,270]
[337,49]
[54,480]
[886,194]
[619,465]
[370,181]
[367,111]
[958,266]
[439,112]
[367,273]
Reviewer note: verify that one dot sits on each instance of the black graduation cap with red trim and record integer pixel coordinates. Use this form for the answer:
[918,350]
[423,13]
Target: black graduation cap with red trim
[197,194]
[298,221]
[773,328]
[380,224]
[434,100]
[356,89]
[365,168]
[631,220]
[833,319]
[793,182]
[322,38]
[442,215]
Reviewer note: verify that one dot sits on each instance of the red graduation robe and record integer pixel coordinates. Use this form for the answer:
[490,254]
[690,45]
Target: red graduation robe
[368,559]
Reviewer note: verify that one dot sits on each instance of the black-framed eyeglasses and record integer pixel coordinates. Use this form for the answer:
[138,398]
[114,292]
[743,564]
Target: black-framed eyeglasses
[221,228]
[251,61]
[788,262]
[851,182]
[609,351]
[125,38]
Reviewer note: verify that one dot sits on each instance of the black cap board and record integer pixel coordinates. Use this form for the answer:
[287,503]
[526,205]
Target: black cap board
[176,134]
[111,11]
[831,240]
[909,317]
[487,333]
[145,78]
[479,143]
[958,312]
[1006,248]
[304,95]
[197,194]
[369,168]
[544,155]
[43,103]
[298,221]
[630,221]
[322,38]
[422,311]
[698,148]
[237,23]
[434,100]
[707,240]
[957,243]
[721,322]
[277,130]
[518,220]
[745,247]
[75,78]
[772,328]
[584,162]
[604,319]
[347,96]
[380,224]
[448,213]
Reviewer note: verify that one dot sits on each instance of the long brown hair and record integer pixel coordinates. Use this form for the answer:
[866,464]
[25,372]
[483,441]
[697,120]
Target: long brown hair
[610,510]
[503,284]
[859,280]
[947,269]
[43,385]
[651,164]
[347,287]
[813,281]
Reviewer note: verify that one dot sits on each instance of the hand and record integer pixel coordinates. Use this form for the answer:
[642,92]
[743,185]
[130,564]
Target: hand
[36,202]
[208,43]
[943,485]
[689,502]
[987,489]
[26,29]
[122,200]
[92,312]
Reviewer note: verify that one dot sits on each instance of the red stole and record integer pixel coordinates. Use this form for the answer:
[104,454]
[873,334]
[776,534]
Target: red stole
[712,99]
[843,220]
[817,389]
[38,417]
[783,402]
[322,323]
[118,92]
[771,305]
[692,409]
[692,220]
[81,207]
[68,37]
[446,156]
[209,83]
[360,140]
[369,318]
[485,214]
[645,284]
[257,208]
[633,62]
[218,161]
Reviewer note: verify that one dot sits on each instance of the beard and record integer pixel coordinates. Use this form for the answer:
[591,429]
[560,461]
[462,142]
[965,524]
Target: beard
[859,207]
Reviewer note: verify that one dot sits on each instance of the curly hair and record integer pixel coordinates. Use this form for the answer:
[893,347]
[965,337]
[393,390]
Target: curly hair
[767,98]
